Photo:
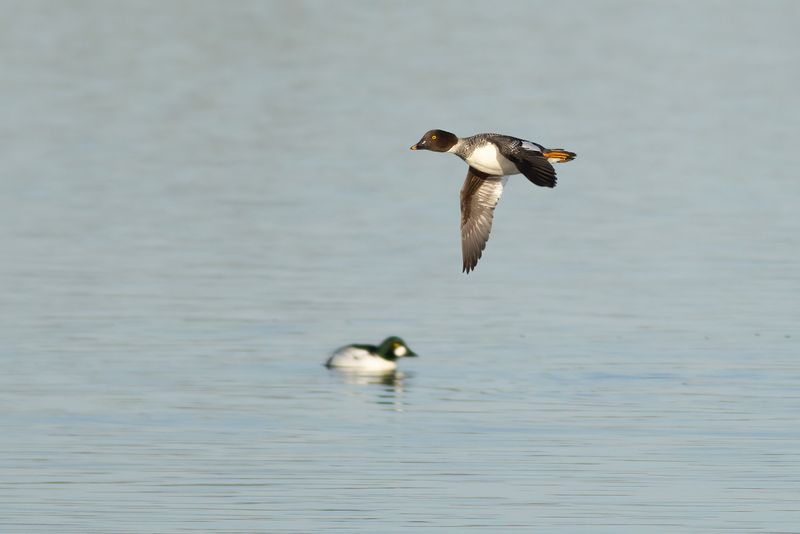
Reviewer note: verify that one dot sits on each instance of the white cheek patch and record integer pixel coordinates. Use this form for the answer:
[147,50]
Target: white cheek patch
[400,351]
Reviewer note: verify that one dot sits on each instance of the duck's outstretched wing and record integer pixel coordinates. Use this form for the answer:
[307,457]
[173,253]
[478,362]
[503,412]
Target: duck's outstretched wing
[479,196]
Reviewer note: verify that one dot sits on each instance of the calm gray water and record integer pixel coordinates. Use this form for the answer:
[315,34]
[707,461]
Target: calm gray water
[200,200]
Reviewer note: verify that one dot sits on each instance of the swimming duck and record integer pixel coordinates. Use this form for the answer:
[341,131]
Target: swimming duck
[491,159]
[382,357]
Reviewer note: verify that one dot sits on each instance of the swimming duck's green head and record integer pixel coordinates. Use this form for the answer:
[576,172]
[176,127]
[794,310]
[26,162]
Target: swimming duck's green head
[393,347]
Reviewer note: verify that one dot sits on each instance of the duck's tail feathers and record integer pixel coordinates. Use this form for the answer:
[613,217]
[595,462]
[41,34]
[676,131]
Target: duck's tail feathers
[558,155]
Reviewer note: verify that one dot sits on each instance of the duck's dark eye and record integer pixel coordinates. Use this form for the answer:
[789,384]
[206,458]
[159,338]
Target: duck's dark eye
[433,137]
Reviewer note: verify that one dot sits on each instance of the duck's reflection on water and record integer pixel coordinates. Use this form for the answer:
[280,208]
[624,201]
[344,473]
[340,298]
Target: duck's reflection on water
[394,383]
[392,378]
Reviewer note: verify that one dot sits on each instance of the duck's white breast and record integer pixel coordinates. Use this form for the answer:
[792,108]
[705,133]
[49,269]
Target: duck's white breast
[486,158]
[355,358]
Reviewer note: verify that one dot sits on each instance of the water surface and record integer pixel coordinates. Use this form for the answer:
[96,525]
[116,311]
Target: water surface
[198,201]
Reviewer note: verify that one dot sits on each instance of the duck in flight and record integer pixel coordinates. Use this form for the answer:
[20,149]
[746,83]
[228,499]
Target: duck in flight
[491,159]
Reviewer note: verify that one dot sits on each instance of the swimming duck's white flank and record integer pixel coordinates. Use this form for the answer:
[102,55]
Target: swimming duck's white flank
[381,357]
[491,158]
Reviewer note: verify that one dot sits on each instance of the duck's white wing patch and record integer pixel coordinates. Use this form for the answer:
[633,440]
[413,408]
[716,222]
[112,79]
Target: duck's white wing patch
[527,145]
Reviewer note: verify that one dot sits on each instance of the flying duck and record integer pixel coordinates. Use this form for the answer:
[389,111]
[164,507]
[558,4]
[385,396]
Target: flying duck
[491,159]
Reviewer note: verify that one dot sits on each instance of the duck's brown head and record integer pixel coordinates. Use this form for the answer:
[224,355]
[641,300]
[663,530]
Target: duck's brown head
[437,141]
